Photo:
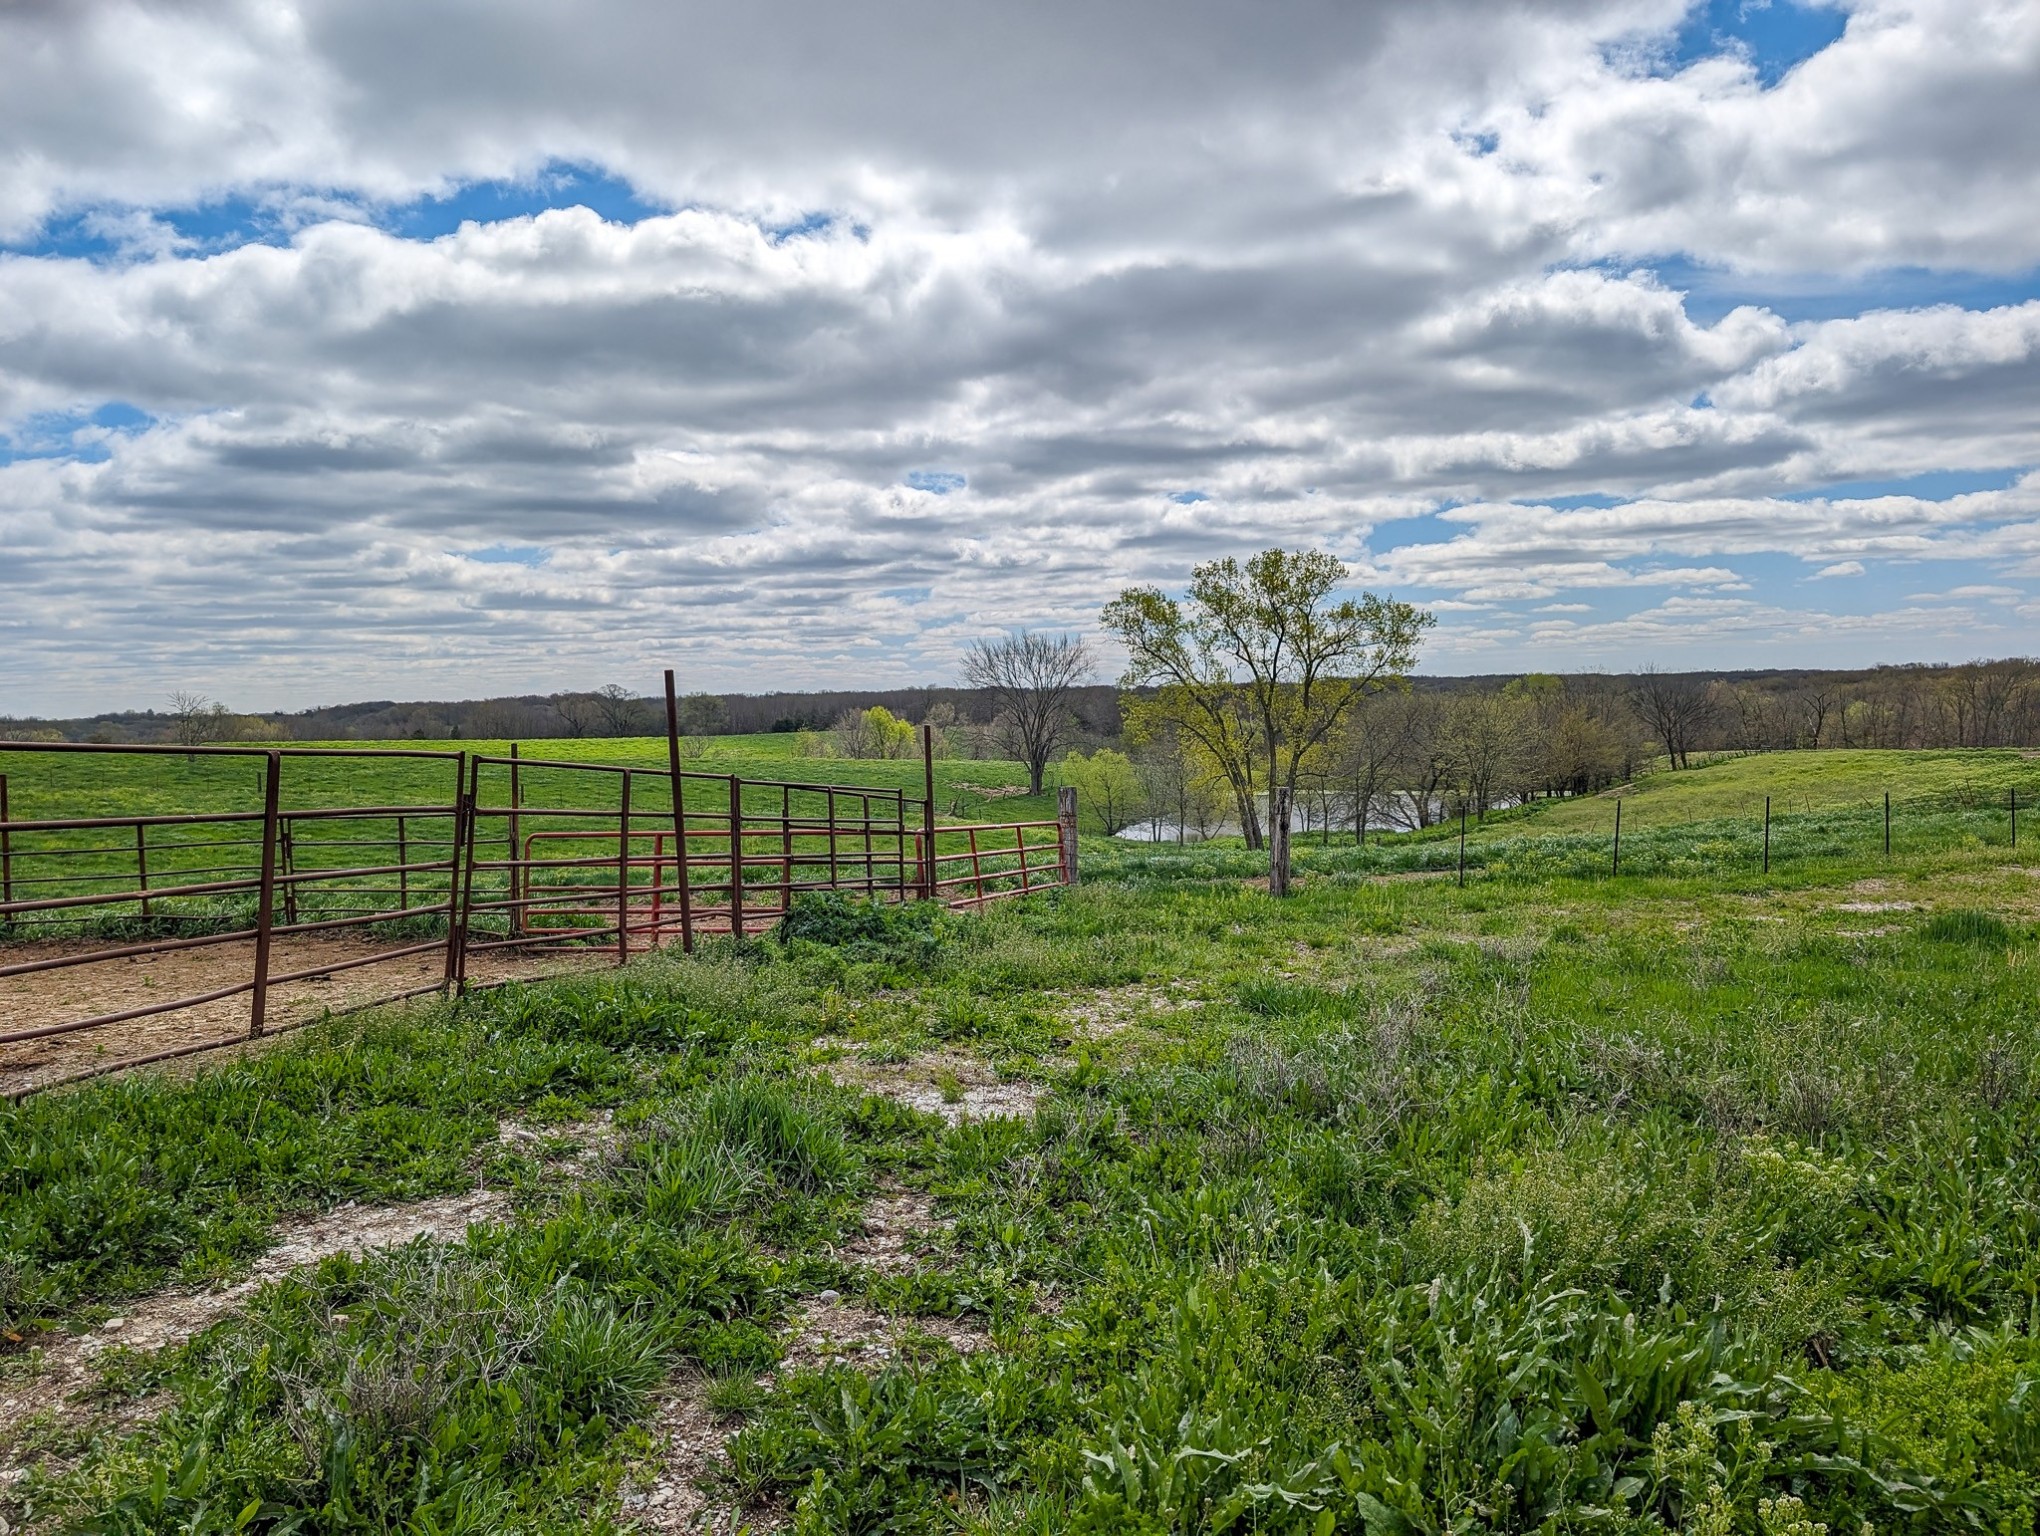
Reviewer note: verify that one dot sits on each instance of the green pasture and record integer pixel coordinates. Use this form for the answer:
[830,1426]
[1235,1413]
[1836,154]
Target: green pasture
[1693,1199]
[1827,783]
[390,778]
[1681,1202]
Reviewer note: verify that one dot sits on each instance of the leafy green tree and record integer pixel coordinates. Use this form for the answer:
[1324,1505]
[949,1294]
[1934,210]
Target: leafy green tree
[1108,788]
[1260,663]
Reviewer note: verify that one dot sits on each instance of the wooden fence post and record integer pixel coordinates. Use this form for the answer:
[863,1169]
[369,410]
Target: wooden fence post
[1462,842]
[679,817]
[287,847]
[1066,831]
[1278,841]
[265,901]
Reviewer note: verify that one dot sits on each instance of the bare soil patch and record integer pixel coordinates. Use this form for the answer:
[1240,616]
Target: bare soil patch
[692,1437]
[952,1084]
[57,1374]
[830,1328]
[1110,1011]
[113,986]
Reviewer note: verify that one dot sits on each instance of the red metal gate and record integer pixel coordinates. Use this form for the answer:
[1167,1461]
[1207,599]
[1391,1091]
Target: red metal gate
[502,866]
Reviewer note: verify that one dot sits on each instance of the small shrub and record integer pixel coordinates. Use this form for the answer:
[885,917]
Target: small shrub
[866,930]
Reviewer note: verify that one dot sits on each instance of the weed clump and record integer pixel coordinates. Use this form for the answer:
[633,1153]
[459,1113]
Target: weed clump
[1967,926]
[909,933]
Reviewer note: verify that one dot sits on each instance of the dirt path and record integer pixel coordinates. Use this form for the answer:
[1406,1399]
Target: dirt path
[59,1375]
[898,1227]
[112,986]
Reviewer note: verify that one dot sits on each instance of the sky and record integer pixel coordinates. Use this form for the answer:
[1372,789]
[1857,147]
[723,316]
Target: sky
[446,349]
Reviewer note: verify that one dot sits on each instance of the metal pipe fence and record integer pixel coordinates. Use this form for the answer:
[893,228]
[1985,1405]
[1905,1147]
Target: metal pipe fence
[511,856]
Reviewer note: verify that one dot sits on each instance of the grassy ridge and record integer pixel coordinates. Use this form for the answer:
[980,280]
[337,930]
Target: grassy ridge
[1549,1203]
[1798,783]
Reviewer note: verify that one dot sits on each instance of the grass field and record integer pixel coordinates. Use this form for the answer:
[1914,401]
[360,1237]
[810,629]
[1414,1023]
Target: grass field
[66,785]
[1803,783]
[1684,1201]
[56,785]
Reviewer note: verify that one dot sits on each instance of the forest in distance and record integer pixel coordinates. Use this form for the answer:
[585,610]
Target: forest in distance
[1985,703]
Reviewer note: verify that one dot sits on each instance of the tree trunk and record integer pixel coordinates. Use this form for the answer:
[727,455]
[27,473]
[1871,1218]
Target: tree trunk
[1250,816]
[1278,841]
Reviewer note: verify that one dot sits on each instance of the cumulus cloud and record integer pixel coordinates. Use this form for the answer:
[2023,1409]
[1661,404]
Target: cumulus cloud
[959,319]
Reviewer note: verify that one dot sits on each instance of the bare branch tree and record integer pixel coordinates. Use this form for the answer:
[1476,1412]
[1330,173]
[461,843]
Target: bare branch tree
[622,712]
[579,712]
[196,720]
[1030,678]
[1674,709]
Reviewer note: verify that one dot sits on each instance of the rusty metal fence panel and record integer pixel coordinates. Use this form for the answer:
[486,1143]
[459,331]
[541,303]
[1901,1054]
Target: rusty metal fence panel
[514,864]
[225,904]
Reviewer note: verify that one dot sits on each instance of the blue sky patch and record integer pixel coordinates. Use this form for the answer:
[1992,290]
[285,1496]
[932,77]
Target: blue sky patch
[558,185]
[1712,292]
[531,555]
[272,216]
[1774,34]
[1188,498]
[79,435]
[1935,485]
[1598,500]
[937,482]
[806,225]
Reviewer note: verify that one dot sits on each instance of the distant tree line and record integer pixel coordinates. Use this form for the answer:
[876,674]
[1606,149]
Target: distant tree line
[1582,722]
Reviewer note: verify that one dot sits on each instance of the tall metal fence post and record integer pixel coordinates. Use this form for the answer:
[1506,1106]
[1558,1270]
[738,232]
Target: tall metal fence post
[6,846]
[1278,841]
[516,852]
[2015,818]
[623,874]
[1616,867]
[736,857]
[460,879]
[453,853]
[265,901]
[1887,823]
[1066,831]
[928,865]
[785,849]
[1767,834]
[679,816]
[1462,843]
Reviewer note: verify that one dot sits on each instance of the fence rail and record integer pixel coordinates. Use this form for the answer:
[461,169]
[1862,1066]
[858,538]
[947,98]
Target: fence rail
[514,859]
